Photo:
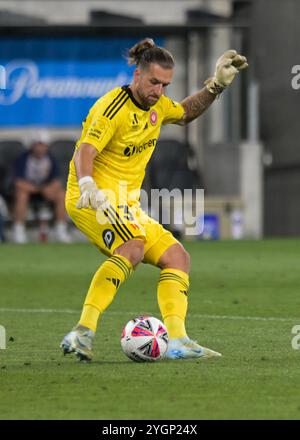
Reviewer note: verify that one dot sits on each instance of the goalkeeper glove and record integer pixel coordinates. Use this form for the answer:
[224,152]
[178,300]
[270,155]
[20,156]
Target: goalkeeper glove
[91,195]
[228,65]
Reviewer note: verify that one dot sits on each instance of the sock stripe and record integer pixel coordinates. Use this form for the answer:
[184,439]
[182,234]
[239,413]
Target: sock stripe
[174,280]
[119,260]
[173,277]
[120,263]
[120,267]
[128,269]
[170,276]
[184,285]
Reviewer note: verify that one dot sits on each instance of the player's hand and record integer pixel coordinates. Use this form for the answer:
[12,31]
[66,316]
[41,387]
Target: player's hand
[228,65]
[91,197]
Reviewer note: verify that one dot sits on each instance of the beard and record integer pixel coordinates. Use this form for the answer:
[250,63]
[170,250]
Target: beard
[147,101]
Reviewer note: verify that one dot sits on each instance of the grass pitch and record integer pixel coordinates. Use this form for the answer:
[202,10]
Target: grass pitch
[244,301]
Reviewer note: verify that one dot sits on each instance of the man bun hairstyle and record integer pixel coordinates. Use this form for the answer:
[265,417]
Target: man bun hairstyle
[146,52]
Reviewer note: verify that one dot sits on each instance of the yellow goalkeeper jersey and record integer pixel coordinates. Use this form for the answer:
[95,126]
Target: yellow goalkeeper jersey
[125,135]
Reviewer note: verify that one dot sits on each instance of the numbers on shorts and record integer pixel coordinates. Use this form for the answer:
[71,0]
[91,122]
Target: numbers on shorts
[126,213]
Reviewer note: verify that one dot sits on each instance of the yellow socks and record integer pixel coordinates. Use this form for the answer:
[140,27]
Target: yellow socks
[172,294]
[108,278]
[172,300]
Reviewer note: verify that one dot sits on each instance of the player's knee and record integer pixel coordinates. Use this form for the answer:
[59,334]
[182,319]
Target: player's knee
[137,255]
[133,250]
[175,257]
[182,260]
[186,258]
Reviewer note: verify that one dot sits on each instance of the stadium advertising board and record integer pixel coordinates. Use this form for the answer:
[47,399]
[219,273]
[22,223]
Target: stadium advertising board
[54,81]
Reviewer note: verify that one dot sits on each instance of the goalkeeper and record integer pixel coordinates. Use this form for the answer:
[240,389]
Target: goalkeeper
[118,138]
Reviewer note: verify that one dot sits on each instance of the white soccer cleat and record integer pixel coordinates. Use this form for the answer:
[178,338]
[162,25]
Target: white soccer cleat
[185,348]
[79,341]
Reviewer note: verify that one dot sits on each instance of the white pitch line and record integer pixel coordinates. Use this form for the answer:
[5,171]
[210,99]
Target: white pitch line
[12,310]
[250,318]
[192,315]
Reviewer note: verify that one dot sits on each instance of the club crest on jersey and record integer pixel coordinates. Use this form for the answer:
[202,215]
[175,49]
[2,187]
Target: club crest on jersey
[108,237]
[153,117]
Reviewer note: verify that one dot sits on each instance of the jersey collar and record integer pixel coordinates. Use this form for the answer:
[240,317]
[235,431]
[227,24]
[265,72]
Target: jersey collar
[130,94]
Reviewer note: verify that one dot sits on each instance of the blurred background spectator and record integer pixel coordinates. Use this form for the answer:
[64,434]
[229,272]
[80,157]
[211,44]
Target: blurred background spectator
[36,180]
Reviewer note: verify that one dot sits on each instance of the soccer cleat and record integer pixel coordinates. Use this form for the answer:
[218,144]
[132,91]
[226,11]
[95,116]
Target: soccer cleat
[185,348]
[79,341]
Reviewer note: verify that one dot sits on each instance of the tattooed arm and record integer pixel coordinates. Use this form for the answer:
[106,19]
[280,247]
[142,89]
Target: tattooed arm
[228,65]
[195,105]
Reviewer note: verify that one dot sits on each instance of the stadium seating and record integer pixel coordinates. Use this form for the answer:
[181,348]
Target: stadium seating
[9,151]
[169,166]
[62,150]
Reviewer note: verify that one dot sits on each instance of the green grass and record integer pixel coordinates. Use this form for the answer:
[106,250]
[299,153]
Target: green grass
[257,377]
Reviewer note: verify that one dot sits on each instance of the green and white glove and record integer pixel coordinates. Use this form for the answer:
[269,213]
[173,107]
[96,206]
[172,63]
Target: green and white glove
[91,195]
[228,65]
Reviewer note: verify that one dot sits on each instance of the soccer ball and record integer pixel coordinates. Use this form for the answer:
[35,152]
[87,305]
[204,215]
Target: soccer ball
[144,339]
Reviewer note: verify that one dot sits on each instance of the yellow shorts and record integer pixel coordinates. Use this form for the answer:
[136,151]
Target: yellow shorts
[110,230]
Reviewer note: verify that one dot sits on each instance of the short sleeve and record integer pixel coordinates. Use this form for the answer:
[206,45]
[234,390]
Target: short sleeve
[172,110]
[99,132]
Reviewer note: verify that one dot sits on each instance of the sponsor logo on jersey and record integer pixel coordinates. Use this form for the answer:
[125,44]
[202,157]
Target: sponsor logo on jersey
[153,117]
[132,149]
[108,237]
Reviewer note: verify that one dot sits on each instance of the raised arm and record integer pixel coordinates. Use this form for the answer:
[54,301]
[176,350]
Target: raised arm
[196,104]
[228,65]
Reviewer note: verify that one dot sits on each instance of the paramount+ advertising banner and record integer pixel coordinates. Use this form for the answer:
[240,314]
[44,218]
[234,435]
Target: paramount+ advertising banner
[53,82]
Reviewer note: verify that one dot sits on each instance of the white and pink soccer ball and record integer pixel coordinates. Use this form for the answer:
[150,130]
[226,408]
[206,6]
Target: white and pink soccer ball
[144,339]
